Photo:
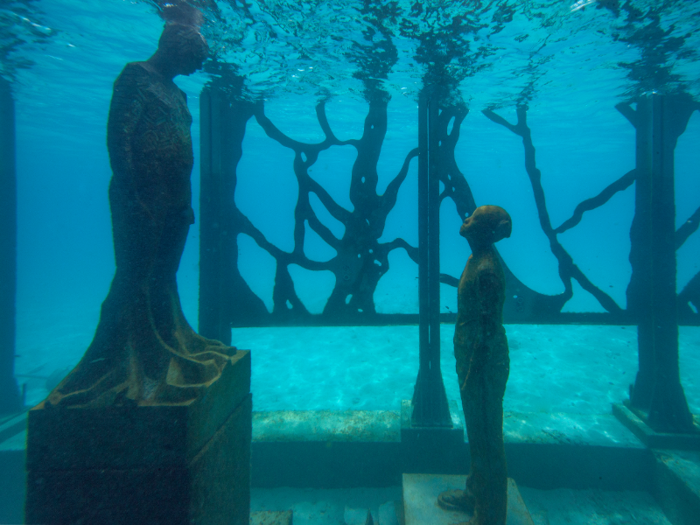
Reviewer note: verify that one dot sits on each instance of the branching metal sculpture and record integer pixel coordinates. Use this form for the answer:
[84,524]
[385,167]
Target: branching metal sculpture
[362,260]
[568,270]
[448,52]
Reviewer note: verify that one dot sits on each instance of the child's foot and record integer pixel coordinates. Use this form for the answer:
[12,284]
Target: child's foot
[459,500]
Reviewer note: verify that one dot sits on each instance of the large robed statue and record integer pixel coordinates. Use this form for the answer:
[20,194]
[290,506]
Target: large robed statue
[144,351]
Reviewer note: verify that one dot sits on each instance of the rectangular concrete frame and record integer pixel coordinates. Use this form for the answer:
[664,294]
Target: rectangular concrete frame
[174,464]
[359,449]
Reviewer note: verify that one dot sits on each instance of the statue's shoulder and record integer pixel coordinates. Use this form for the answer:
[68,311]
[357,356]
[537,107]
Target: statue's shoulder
[134,74]
[489,273]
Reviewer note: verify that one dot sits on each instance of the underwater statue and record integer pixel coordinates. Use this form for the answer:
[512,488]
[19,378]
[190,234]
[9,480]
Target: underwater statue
[481,349]
[144,351]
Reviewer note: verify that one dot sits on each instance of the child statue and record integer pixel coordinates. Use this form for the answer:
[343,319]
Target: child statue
[481,349]
[144,351]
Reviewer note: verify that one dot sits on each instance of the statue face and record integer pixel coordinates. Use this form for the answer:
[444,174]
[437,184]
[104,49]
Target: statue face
[487,225]
[192,54]
[184,48]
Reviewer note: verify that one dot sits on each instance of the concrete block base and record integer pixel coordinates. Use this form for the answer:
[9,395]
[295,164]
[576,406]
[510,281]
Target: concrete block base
[420,493]
[677,485]
[170,464]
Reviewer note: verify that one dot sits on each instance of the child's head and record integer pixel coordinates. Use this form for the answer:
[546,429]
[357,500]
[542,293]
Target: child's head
[487,225]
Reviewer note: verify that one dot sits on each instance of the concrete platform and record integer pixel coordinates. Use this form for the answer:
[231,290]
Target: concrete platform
[420,492]
[364,448]
[677,485]
[268,517]
[653,439]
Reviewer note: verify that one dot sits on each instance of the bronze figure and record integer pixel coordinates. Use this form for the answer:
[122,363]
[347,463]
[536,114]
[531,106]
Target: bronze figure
[144,351]
[481,349]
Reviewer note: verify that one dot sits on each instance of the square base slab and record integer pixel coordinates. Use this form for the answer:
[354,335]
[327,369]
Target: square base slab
[650,437]
[169,464]
[677,484]
[420,493]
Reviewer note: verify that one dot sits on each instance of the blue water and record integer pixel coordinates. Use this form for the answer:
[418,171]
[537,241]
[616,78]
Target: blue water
[571,61]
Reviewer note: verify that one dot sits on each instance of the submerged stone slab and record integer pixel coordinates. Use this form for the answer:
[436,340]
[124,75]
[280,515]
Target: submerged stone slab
[173,464]
[420,493]
[653,439]
[333,449]
[677,485]
[557,428]
[269,517]
[358,426]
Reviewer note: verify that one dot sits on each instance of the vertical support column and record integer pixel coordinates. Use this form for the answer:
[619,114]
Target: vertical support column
[658,392]
[669,410]
[10,400]
[639,293]
[430,407]
[214,253]
[224,297]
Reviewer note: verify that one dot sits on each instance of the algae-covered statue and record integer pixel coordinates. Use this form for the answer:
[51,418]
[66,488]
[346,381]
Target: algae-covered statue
[144,351]
[481,349]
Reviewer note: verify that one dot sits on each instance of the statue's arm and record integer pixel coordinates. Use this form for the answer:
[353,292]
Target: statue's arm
[126,109]
[490,292]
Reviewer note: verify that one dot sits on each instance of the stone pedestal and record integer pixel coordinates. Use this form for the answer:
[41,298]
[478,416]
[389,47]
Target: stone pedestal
[420,493]
[167,464]
[677,485]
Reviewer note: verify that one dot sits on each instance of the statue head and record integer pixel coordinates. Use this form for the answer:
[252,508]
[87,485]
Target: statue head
[487,225]
[182,49]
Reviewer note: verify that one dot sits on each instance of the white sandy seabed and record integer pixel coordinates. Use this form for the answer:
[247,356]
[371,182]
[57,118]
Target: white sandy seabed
[576,369]
[554,368]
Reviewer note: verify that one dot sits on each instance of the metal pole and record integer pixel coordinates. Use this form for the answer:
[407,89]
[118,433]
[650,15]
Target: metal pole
[639,295]
[423,249]
[657,394]
[434,238]
[213,313]
[430,407]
